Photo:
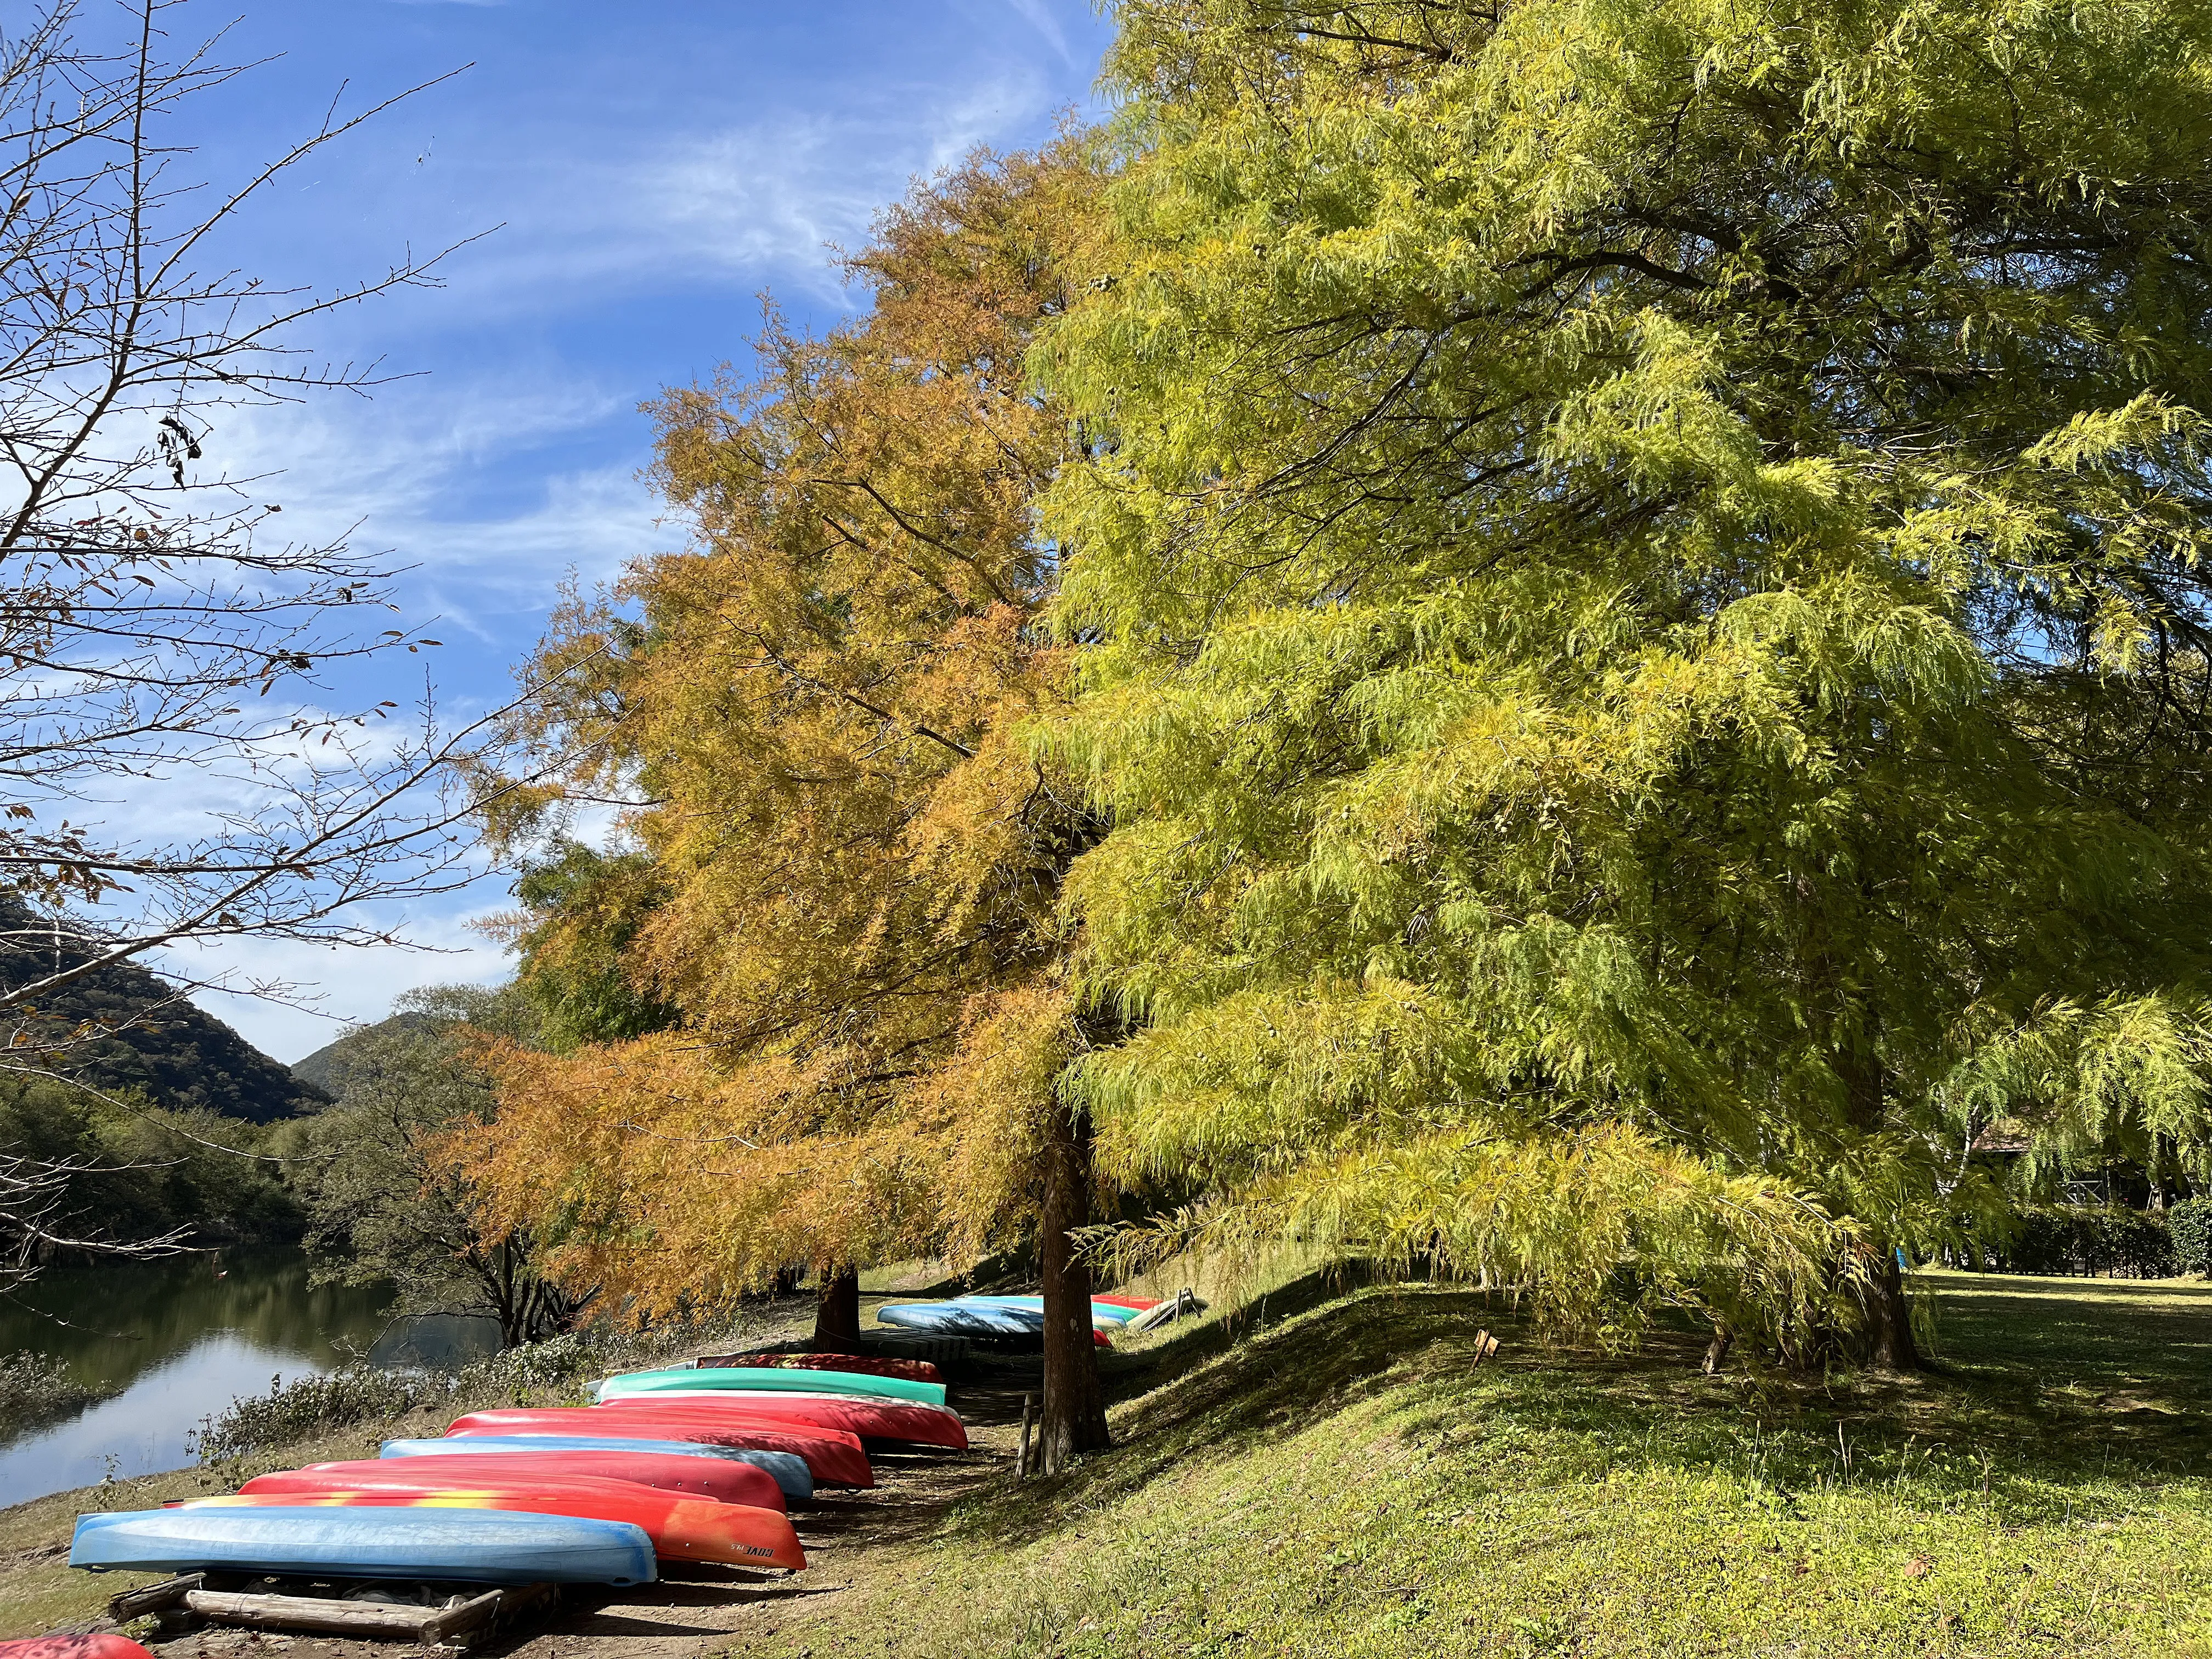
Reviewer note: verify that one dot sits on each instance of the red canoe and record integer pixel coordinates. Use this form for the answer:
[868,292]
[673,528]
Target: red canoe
[871,1419]
[833,1457]
[914,1371]
[682,1528]
[693,1476]
[73,1646]
[1140,1304]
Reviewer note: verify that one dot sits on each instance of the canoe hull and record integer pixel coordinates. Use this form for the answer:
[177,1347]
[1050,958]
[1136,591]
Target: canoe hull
[787,1470]
[73,1646]
[478,1547]
[684,1476]
[954,1319]
[682,1528]
[1107,1315]
[861,1364]
[769,1379]
[925,1426]
[832,1456]
[968,1319]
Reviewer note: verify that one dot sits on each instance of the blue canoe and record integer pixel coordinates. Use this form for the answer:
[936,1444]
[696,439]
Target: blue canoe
[963,1318]
[787,1470]
[480,1546]
[1112,1312]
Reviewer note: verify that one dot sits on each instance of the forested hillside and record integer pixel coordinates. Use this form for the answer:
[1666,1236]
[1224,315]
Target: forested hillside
[145,1035]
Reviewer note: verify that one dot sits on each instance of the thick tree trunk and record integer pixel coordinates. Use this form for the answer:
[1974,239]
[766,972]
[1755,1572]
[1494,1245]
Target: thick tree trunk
[837,1315]
[1074,1410]
[1886,1343]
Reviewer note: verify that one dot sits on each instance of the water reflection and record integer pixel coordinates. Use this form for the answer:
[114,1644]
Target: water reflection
[183,1337]
[114,1324]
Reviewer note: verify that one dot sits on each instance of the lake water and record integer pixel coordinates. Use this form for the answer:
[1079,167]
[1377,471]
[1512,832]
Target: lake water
[183,1338]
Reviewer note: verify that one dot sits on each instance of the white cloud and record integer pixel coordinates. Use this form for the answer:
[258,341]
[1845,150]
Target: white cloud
[338,985]
[1038,16]
[407,473]
[582,223]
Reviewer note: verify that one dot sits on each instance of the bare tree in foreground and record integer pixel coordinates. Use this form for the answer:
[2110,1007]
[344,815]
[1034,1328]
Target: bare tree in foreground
[160,641]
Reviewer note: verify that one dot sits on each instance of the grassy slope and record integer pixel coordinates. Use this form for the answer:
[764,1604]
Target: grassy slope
[1348,1483]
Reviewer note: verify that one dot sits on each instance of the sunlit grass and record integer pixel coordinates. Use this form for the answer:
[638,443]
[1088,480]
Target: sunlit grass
[1349,1483]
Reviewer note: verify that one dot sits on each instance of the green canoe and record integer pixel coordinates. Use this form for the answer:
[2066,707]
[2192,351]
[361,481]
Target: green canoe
[775,1379]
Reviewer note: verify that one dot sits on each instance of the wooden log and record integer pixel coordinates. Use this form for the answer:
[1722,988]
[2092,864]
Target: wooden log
[470,1615]
[315,1612]
[152,1598]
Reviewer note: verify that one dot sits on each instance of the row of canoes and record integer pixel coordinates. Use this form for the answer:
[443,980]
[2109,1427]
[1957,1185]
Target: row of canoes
[692,1464]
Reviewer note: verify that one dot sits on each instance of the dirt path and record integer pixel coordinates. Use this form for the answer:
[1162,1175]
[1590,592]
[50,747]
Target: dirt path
[709,1609]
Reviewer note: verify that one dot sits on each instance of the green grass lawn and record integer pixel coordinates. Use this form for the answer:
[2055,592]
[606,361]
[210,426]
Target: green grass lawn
[1348,1482]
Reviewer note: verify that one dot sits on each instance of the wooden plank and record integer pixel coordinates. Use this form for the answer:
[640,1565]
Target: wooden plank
[312,1613]
[152,1598]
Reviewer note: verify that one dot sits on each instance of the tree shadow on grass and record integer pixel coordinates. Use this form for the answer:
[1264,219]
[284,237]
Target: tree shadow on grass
[2005,1427]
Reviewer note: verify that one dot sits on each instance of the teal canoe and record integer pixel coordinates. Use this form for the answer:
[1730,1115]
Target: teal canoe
[771,1380]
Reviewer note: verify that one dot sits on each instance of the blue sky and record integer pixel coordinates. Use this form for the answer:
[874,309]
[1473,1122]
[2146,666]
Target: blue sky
[654,166]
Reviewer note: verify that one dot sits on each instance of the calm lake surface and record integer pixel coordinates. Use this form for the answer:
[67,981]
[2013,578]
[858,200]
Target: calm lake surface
[183,1338]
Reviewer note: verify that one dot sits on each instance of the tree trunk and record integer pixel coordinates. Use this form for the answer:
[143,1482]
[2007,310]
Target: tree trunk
[1884,1342]
[837,1315]
[1717,1350]
[1887,1342]
[1073,1420]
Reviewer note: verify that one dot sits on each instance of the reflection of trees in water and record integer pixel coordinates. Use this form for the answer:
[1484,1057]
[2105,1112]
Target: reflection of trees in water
[122,1320]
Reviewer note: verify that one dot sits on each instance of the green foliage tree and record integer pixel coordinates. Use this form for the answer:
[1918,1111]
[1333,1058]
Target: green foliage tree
[581,910]
[385,1206]
[1644,570]
[132,1171]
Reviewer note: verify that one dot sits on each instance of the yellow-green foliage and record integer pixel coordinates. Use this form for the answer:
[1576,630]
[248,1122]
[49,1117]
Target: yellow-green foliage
[1640,569]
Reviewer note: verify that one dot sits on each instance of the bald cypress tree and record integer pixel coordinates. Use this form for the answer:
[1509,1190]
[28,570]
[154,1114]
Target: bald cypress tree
[1644,576]
[817,1014]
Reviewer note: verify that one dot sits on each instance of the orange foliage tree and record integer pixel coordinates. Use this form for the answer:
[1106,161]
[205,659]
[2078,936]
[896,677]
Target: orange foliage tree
[817,713]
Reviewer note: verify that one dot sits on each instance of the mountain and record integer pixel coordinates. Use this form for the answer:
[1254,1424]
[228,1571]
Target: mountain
[315,1070]
[155,1040]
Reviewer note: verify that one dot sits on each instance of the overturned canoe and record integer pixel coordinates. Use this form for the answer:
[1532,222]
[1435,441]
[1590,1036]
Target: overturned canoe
[682,1528]
[485,1546]
[964,1318]
[871,1419]
[787,1469]
[1135,1304]
[73,1646]
[1102,1313]
[833,1456]
[862,1364]
[961,1318]
[687,1477]
[769,1379]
